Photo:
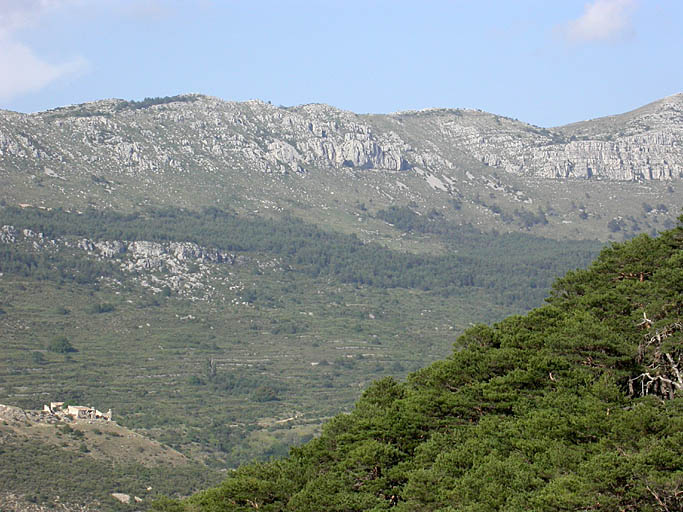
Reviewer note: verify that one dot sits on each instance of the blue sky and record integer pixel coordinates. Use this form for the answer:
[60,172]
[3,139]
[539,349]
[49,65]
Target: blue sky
[543,62]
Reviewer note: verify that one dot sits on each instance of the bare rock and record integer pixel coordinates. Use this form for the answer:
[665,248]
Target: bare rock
[11,413]
[8,234]
[86,245]
[109,249]
[144,249]
[186,251]
[123,498]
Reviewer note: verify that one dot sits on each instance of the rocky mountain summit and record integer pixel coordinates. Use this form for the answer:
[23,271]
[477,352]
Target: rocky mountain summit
[186,131]
[182,132]
[195,150]
[641,145]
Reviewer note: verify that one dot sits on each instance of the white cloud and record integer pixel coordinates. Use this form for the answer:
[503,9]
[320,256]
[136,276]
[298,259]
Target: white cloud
[21,69]
[602,20]
[18,14]
[144,10]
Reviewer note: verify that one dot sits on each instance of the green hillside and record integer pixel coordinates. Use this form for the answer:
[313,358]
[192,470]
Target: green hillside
[78,465]
[241,359]
[227,277]
[574,406]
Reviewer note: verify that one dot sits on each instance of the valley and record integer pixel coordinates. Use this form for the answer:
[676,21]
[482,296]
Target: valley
[229,276]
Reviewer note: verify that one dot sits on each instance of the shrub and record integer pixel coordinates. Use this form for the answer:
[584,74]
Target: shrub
[61,345]
[264,394]
[101,308]
[614,225]
[193,380]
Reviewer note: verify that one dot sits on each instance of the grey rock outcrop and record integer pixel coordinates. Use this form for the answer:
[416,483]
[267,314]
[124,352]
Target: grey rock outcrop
[109,249]
[12,413]
[628,147]
[144,249]
[180,266]
[86,245]
[122,497]
[185,250]
[8,234]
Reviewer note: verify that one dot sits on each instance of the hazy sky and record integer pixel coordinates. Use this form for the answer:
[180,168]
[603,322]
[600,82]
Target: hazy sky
[542,61]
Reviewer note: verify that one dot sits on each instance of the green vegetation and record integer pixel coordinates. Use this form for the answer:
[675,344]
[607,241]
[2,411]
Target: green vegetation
[293,331]
[37,357]
[514,269]
[149,102]
[575,406]
[239,361]
[54,266]
[42,471]
[60,345]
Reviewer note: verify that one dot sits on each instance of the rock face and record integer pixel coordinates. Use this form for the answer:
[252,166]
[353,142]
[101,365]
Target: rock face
[329,165]
[122,497]
[189,132]
[8,234]
[641,145]
[183,267]
[11,413]
[109,249]
[176,134]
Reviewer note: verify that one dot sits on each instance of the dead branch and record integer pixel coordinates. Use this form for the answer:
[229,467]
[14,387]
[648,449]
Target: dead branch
[646,323]
[667,498]
[664,369]
[657,499]
[655,384]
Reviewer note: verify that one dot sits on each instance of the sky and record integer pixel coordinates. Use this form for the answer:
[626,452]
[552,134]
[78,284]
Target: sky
[543,62]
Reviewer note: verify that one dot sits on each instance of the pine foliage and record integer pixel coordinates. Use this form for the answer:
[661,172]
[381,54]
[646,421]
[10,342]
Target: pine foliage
[576,406]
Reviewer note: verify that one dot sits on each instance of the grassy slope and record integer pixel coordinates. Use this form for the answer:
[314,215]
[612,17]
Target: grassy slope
[301,349]
[84,462]
[142,371]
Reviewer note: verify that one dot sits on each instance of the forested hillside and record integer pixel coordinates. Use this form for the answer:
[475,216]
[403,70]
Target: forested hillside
[577,405]
[514,268]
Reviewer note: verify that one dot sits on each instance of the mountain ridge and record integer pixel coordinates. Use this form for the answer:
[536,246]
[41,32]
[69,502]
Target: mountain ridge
[407,226]
[320,163]
[676,97]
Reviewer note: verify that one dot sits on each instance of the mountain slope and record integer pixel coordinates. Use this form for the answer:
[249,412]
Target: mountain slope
[322,163]
[218,333]
[575,406]
[229,275]
[66,464]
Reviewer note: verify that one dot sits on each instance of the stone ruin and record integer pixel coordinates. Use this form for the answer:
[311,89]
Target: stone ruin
[77,412]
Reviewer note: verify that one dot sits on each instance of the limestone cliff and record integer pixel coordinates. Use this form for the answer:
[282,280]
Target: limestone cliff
[194,151]
[189,132]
